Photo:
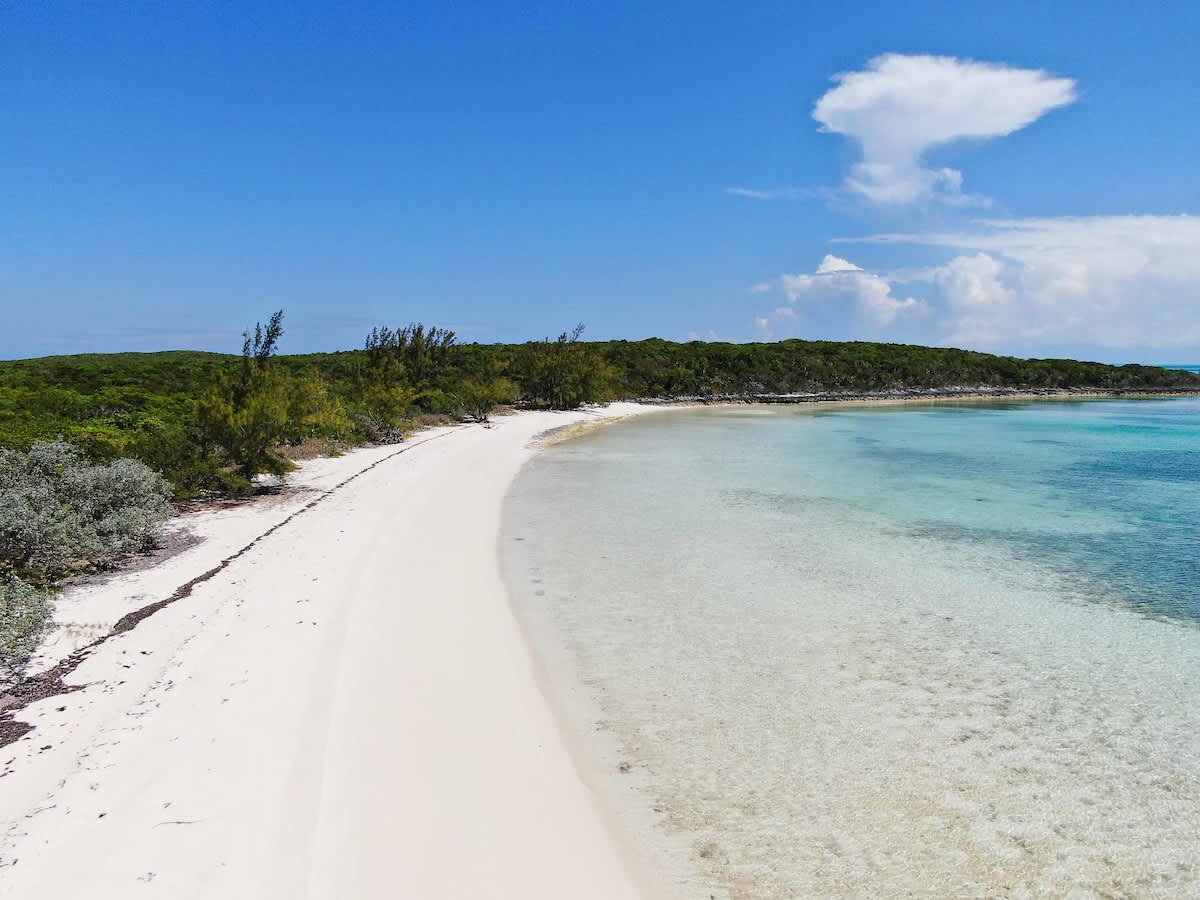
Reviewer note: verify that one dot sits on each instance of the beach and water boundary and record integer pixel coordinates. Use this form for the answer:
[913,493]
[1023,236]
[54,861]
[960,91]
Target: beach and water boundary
[844,705]
[346,709]
[203,857]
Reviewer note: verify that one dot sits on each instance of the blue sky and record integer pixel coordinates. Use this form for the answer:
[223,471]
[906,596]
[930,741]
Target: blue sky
[1016,177]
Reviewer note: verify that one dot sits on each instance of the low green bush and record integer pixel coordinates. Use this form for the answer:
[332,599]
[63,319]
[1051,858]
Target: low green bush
[180,453]
[24,618]
[61,514]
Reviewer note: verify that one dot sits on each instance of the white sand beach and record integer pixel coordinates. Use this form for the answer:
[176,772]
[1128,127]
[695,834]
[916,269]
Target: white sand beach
[347,709]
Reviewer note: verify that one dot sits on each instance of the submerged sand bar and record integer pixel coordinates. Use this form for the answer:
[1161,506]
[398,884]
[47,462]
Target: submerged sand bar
[348,709]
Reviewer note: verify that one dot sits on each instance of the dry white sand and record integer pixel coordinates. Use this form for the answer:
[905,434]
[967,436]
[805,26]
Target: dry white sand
[348,709]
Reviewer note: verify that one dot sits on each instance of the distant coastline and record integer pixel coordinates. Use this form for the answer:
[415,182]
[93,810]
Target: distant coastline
[185,413]
[932,394]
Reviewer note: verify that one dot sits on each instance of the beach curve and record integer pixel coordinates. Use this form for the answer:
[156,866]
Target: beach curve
[348,708]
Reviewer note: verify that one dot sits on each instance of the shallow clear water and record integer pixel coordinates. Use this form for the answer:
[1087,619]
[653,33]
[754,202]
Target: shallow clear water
[944,650]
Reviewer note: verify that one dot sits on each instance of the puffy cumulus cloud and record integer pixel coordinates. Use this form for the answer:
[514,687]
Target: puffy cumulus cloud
[1103,281]
[976,298]
[1015,285]
[836,285]
[899,107]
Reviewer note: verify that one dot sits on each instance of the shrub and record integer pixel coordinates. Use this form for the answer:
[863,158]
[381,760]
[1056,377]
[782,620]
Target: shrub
[40,530]
[379,411]
[181,454]
[125,501]
[565,373]
[246,427]
[24,618]
[247,417]
[313,411]
[478,398]
[59,514]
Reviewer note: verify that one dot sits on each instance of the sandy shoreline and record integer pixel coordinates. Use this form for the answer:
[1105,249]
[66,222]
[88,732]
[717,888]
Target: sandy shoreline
[346,709]
[346,706]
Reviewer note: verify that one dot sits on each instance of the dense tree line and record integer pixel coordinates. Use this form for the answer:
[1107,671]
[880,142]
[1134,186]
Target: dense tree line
[211,422]
[662,368]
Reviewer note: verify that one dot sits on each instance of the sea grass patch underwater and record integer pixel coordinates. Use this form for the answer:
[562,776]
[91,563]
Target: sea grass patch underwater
[945,651]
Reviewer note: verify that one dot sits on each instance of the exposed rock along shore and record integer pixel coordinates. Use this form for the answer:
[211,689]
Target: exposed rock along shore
[947,393]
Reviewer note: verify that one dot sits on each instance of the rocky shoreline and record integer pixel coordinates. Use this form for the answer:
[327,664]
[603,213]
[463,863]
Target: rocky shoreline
[947,393]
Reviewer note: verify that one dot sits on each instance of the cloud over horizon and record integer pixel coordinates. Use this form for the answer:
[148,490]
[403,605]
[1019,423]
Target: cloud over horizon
[1117,282]
[1030,285]
[899,107]
[837,282]
[1111,281]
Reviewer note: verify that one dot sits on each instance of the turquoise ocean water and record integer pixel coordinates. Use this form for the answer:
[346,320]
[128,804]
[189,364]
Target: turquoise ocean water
[937,650]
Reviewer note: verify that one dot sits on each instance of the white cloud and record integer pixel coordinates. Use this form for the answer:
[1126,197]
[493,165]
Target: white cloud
[784,193]
[836,264]
[1104,281]
[840,283]
[976,299]
[900,107]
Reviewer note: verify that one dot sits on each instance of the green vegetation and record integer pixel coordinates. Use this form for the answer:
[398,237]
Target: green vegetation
[565,372]
[60,514]
[24,618]
[244,418]
[400,372]
[210,422]
[655,367]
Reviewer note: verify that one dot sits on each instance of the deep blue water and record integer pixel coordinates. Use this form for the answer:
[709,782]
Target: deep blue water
[1105,492]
